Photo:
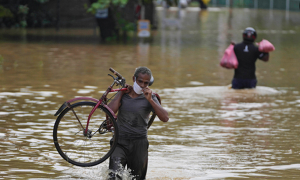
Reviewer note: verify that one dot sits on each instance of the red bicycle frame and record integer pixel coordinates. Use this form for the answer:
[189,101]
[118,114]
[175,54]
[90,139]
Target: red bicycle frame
[102,101]
[109,89]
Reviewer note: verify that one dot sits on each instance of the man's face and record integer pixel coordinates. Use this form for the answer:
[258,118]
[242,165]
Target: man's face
[142,80]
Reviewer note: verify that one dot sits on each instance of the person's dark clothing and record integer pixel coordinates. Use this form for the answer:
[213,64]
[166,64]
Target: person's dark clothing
[132,147]
[106,23]
[243,83]
[202,5]
[134,154]
[133,116]
[247,54]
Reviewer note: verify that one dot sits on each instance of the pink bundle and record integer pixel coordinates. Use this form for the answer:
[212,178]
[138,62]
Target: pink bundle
[265,46]
[229,59]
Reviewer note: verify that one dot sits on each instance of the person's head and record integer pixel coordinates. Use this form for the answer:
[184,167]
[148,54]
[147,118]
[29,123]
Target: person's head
[142,76]
[249,34]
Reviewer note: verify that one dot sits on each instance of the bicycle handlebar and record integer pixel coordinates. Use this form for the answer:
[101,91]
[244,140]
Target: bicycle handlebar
[116,73]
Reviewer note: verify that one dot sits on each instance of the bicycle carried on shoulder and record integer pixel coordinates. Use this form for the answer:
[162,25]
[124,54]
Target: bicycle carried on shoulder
[86,132]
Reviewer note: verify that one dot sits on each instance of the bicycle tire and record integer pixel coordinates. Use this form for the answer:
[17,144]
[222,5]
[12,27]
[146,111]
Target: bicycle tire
[85,150]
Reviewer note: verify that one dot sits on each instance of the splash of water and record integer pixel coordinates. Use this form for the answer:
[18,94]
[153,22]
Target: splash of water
[99,172]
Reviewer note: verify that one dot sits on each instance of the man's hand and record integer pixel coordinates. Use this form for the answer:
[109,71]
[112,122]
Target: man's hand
[148,93]
[129,89]
[158,109]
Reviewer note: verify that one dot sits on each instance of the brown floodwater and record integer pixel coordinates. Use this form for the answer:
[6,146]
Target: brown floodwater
[213,133]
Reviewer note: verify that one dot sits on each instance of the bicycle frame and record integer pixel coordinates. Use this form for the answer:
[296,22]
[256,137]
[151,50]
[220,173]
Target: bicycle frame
[75,141]
[101,101]
[109,89]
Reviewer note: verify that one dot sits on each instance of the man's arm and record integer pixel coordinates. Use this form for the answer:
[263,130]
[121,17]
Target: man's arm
[264,56]
[161,113]
[116,102]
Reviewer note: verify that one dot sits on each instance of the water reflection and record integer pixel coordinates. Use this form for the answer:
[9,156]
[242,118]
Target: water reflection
[214,132]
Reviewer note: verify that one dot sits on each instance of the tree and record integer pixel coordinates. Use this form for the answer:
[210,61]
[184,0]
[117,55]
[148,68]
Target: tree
[24,13]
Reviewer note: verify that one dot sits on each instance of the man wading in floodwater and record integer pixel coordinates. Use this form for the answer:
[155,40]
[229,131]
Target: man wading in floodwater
[134,107]
[247,54]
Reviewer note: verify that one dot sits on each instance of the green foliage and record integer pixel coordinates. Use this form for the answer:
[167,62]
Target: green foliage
[103,4]
[4,12]
[23,9]
[123,24]
[23,23]
[130,26]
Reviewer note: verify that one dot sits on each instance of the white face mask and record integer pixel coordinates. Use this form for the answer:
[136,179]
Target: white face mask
[137,89]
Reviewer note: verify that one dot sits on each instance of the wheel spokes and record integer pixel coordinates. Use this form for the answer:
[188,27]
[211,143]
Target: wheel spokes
[79,148]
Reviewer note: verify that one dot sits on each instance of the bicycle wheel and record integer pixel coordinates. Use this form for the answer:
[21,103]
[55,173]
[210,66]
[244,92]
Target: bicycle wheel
[79,148]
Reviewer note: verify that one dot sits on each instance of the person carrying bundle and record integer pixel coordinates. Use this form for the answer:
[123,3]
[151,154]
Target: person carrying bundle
[243,57]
